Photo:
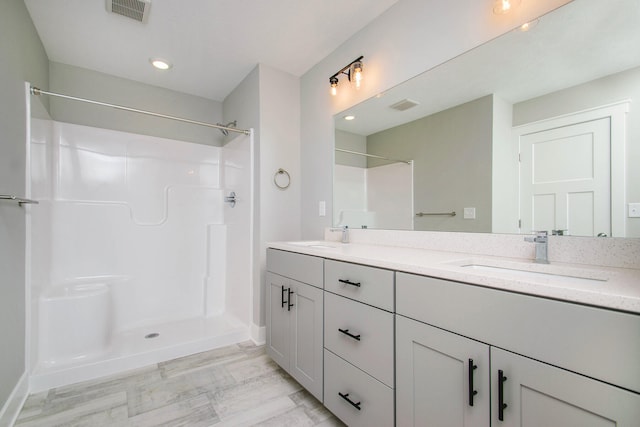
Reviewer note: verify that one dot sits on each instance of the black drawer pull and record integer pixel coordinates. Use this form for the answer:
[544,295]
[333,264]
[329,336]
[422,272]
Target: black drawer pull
[346,397]
[346,332]
[501,405]
[282,296]
[349,282]
[472,392]
[289,305]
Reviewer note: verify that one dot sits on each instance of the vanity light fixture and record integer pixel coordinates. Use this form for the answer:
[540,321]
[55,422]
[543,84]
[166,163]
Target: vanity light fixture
[353,71]
[500,7]
[160,64]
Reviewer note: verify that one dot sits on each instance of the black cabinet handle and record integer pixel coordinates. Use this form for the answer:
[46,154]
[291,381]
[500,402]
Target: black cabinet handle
[349,282]
[501,405]
[289,305]
[346,397]
[346,332]
[282,296]
[472,392]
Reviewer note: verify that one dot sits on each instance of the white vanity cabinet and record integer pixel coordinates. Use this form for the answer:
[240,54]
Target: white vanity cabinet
[442,379]
[538,394]
[359,344]
[294,316]
[551,362]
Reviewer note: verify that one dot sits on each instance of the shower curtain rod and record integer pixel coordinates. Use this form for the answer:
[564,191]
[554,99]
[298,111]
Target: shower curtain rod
[373,155]
[36,91]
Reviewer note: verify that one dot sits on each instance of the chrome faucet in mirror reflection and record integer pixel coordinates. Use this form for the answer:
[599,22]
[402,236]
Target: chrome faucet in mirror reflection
[541,239]
[345,232]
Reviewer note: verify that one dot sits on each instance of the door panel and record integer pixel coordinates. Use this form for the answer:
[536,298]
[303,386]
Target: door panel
[565,179]
[537,394]
[277,320]
[307,337]
[432,377]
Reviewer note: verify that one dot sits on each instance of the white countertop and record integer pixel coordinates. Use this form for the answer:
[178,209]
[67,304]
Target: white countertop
[606,287]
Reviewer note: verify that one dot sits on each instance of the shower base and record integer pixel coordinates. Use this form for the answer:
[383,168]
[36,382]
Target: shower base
[135,348]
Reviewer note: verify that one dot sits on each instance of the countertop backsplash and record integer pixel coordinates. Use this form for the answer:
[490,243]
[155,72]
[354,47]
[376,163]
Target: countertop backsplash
[594,251]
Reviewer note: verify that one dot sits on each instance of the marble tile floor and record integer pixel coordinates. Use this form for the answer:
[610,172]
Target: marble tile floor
[238,385]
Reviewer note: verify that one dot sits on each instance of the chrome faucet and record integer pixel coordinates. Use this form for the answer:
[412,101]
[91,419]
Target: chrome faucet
[345,232]
[540,240]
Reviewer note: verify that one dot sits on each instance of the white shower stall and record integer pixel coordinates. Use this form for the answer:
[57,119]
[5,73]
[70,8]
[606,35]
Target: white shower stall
[137,253]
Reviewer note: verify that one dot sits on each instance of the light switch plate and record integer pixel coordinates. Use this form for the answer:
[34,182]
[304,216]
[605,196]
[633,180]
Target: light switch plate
[469,213]
[322,208]
[634,210]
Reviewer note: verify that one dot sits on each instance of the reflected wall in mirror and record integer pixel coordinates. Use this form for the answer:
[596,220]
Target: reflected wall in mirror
[465,127]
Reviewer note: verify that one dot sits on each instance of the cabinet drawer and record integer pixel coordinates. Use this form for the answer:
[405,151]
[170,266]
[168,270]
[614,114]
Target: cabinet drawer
[588,340]
[373,286]
[303,268]
[367,337]
[374,399]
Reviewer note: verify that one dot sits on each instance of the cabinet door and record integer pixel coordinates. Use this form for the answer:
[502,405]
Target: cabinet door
[433,379]
[537,394]
[305,361]
[278,331]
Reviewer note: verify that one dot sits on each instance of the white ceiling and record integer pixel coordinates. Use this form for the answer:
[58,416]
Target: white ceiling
[213,44]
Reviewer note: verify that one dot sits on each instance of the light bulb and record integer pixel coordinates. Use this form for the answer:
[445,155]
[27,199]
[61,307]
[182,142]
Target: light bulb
[357,74]
[334,85]
[504,6]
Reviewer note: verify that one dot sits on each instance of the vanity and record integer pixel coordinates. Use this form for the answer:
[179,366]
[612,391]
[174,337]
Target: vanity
[390,335]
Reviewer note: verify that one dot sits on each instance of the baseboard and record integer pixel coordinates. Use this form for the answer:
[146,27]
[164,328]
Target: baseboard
[258,334]
[13,405]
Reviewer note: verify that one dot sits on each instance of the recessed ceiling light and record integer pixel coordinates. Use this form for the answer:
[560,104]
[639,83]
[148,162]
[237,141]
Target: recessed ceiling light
[160,64]
[528,25]
[349,117]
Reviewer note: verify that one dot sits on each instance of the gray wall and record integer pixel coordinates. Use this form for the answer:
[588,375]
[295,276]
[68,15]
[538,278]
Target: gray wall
[85,83]
[610,89]
[452,158]
[243,105]
[268,100]
[353,142]
[22,58]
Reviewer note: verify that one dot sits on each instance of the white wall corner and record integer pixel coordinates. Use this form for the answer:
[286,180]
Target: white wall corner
[258,334]
[13,405]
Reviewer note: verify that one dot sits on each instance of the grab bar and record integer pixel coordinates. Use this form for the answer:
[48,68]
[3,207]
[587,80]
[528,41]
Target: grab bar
[20,200]
[436,213]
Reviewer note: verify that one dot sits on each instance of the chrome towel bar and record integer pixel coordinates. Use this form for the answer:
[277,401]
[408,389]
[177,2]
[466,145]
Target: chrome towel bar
[20,200]
[436,213]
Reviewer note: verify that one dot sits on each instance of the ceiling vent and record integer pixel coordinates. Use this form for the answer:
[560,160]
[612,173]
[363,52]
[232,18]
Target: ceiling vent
[134,9]
[405,104]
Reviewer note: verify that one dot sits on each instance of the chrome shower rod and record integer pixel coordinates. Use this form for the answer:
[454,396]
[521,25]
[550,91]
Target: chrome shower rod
[372,155]
[36,91]
[19,200]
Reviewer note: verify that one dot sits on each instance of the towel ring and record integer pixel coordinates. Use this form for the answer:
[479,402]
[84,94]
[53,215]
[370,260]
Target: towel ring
[286,181]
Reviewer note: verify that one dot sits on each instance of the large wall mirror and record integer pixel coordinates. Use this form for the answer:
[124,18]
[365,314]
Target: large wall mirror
[538,129]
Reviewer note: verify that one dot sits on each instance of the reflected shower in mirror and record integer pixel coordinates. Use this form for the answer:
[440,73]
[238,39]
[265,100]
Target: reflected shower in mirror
[466,127]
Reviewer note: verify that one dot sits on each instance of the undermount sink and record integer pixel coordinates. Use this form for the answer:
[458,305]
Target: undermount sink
[320,244]
[557,274]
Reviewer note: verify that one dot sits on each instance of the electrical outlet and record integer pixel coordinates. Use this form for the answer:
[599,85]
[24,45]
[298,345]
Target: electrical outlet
[634,210]
[469,213]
